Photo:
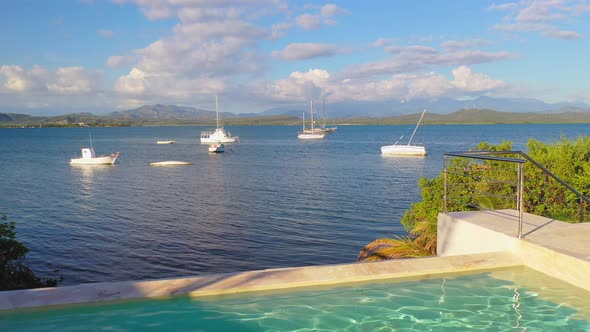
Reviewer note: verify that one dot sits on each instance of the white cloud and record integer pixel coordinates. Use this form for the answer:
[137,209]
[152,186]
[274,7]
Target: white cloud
[118,61]
[329,11]
[503,6]
[308,21]
[466,80]
[456,45]
[543,16]
[319,82]
[14,78]
[133,83]
[62,81]
[414,58]
[563,34]
[74,80]
[382,42]
[305,51]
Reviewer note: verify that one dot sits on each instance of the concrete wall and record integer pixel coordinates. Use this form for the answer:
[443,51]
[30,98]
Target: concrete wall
[458,237]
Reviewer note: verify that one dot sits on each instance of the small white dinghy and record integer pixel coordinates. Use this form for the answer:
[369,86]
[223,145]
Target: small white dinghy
[170,163]
[165,142]
[90,158]
[216,148]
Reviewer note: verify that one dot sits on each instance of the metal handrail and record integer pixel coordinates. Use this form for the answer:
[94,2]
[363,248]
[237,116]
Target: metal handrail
[490,155]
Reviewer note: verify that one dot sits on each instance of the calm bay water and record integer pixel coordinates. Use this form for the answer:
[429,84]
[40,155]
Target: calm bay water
[269,201]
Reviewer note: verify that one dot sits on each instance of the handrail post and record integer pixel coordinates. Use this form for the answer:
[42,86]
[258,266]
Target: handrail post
[581,213]
[520,198]
[445,186]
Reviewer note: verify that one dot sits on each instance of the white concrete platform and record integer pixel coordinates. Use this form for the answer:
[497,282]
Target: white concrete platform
[554,247]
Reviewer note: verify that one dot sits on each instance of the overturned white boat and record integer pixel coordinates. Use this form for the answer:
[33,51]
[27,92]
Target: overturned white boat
[89,158]
[170,163]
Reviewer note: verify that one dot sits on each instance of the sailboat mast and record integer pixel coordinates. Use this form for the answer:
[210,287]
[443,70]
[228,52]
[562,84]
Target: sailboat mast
[311,111]
[417,124]
[324,113]
[216,112]
[303,123]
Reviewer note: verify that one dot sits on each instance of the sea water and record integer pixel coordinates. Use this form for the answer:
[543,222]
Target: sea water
[269,201]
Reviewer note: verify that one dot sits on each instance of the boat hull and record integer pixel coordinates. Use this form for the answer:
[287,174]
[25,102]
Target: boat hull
[311,136]
[404,150]
[165,142]
[219,135]
[170,163]
[101,160]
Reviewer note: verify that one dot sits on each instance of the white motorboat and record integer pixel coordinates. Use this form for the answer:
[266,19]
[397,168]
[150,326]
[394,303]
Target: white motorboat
[310,133]
[170,163]
[219,135]
[408,149]
[90,158]
[216,148]
[165,142]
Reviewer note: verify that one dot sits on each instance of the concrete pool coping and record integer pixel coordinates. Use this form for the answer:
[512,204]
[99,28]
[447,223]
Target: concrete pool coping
[262,280]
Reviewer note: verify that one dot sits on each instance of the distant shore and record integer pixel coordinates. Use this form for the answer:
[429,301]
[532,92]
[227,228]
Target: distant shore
[463,117]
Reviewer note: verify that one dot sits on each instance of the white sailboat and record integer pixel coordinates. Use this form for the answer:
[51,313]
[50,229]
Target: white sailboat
[311,134]
[219,135]
[408,149]
[89,157]
[323,128]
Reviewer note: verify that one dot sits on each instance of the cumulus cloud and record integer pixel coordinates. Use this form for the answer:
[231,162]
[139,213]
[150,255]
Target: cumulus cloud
[15,78]
[542,16]
[305,51]
[132,83]
[298,86]
[319,82]
[119,61]
[73,80]
[62,81]
[212,41]
[466,80]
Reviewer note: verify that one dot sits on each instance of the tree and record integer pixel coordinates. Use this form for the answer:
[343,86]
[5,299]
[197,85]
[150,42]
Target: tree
[13,274]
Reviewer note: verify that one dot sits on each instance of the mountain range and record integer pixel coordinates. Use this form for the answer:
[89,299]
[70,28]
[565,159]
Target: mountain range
[441,105]
[484,110]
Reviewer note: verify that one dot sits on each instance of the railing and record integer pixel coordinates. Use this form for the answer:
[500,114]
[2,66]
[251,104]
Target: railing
[509,187]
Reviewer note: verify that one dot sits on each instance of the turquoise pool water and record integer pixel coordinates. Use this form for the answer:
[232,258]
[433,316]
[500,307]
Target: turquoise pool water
[520,300]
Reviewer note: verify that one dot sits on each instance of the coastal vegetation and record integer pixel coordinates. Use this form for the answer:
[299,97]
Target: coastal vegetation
[170,117]
[13,273]
[568,159]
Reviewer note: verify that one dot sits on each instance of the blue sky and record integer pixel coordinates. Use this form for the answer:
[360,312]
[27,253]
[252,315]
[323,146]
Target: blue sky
[99,56]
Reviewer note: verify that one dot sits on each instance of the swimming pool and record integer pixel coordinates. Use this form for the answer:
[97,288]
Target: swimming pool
[515,299]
